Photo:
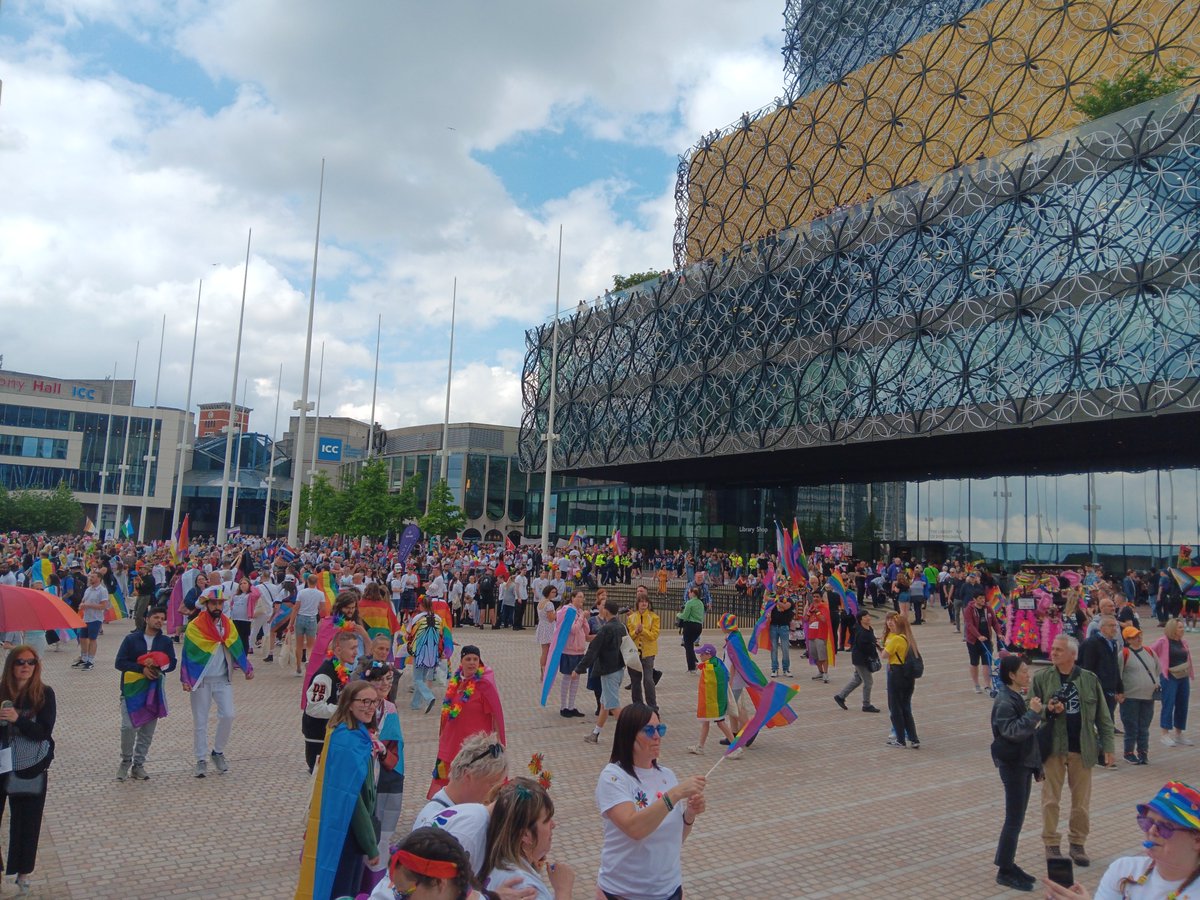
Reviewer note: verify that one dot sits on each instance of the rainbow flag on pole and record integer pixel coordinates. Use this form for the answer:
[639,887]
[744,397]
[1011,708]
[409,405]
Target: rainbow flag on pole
[713,699]
[760,635]
[849,601]
[772,700]
[326,585]
[180,541]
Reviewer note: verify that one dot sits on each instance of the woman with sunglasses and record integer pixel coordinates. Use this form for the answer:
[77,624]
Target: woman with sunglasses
[648,812]
[1171,865]
[27,713]
[341,833]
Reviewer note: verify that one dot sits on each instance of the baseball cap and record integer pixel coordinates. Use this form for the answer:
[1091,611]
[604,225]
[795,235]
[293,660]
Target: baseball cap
[1130,631]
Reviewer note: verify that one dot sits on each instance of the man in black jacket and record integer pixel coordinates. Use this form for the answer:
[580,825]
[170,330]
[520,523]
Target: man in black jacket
[604,654]
[1098,654]
[136,738]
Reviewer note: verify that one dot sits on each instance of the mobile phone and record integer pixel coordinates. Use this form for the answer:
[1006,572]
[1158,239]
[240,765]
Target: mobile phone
[1060,871]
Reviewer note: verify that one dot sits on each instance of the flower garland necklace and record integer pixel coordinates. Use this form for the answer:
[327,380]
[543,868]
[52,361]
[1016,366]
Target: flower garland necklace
[342,671]
[460,690]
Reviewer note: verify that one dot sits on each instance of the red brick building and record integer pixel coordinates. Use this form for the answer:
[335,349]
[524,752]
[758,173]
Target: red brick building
[214,417]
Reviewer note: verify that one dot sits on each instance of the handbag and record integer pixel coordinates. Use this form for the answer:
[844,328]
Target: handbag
[629,652]
[874,663]
[1179,671]
[19,786]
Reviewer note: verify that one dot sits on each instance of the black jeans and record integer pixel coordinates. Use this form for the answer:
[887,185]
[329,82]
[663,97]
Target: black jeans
[900,692]
[1017,781]
[691,631]
[24,829]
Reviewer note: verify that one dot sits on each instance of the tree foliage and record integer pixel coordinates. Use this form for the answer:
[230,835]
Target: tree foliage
[623,282]
[1135,85]
[55,512]
[364,504]
[442,517]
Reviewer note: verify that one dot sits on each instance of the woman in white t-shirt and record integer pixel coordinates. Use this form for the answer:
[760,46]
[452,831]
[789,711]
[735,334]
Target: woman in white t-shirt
[1171,866]
[518,840]
[648,813]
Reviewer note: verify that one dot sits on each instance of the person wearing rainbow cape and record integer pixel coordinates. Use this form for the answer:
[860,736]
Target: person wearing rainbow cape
[211,646]
[144,658]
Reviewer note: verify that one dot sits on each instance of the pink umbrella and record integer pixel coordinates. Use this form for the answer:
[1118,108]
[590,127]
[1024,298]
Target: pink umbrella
[23,609]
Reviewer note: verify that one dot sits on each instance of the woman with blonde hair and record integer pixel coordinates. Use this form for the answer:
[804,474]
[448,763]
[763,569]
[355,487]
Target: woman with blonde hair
[1177,671]
[898,646]
[518,839]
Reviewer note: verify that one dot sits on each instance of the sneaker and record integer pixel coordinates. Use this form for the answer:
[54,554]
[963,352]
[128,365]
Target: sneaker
[817,677]
[1010,879]
[1079,857]
[270,657]
[88,666]
[78,664]
[774,674]
[297,673]
[1131,758]
[738,753]
[123,771]
[892,742]
[201,768]
[139,773]
[1143,759]
[839,701]
[1023,875]
[219,763]
[825,678]
[592,738]
[577,714]
[916,745]
[724,742]
[1168,741]
[430,705]
[873,709]
[978,689]
[696,750]
[787,674]
[1184,741]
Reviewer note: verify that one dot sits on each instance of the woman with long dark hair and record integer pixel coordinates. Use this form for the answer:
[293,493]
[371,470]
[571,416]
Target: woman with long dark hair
[27,713]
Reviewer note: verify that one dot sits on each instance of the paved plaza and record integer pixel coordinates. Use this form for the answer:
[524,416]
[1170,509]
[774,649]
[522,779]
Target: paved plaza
[821,809]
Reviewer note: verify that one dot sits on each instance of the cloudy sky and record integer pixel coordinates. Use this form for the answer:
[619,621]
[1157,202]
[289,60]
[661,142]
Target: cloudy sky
[140,140]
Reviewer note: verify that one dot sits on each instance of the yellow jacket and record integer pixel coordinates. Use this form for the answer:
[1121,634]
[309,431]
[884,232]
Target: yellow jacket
[647,641]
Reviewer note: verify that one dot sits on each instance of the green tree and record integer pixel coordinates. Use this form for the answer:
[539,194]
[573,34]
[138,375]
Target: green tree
[1135,85]
[623,282]
[408,501]
[328,507]
[373,509]
[442,518]
[64,514]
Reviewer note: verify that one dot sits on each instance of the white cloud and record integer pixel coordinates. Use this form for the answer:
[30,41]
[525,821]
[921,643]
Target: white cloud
[120,197]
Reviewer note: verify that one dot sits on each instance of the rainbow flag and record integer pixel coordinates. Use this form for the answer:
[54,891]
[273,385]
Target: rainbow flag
[782,549]
[201,640]
[760,635]
[562,631]
[849,601]
[116,603]
[772,700]
[326,585]
[785,716]
[618,542]
[798,552]
[145,699]
[742,662]
[180,541]
[995,598]
[377,617]
[1188,579]
[712,700]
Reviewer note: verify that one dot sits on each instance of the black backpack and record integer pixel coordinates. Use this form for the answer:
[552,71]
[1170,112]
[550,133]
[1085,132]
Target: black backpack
[913,666]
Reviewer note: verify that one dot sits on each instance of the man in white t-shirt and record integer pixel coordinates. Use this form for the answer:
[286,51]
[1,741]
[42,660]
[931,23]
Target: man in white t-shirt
[305,614]
[396,585]
[436,589]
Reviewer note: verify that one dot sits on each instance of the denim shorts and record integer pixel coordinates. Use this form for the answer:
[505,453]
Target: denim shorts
[306,626]
[610,689]
[93,630]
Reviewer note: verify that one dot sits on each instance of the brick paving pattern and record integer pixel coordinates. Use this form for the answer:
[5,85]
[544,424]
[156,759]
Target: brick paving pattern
[820,809]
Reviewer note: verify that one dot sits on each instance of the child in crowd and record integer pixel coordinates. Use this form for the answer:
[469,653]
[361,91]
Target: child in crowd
[713,699]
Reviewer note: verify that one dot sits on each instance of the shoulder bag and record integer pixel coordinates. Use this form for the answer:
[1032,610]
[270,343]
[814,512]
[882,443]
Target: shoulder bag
[27,755]
[629,653]
[1157,695]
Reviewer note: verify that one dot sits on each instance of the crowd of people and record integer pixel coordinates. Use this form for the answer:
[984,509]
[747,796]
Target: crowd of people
[349,619]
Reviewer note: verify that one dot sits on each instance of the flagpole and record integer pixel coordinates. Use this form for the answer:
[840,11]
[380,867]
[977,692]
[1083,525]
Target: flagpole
[550,418]
[183,445]
[449,372]
[316,431]
[271,464]
[302,404]
[237,478]
[125,446]
[150,457]
[374,388]
[112,393]
[237,359]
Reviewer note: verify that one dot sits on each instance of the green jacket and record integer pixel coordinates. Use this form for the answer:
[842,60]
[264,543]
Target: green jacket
[693,610]
[1096,722]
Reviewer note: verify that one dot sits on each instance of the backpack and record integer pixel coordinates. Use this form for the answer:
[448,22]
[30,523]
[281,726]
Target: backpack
[913,666]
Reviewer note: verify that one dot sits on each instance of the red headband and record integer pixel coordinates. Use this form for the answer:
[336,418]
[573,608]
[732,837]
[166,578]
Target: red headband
[432,868]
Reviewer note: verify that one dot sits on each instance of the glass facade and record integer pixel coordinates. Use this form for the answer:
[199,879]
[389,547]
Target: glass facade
[91,429]
[497,487]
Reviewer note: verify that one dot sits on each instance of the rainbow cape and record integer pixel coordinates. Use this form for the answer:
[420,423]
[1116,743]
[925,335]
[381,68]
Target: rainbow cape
[40,571]
[175,607]
[145,699]
[760,634]
[713,698]
[849,601]
[116,603]
[285,610]
[201,640]
[769,703]
[562,631]
[344,766]
[378,617]
[327,587]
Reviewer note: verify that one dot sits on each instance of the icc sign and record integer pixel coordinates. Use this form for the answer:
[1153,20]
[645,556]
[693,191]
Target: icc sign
[330,450]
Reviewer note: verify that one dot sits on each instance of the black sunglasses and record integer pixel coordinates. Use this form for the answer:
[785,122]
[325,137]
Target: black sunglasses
[493,750]
[24,662]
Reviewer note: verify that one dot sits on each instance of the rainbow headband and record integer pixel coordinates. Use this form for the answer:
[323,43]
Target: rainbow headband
[430,868]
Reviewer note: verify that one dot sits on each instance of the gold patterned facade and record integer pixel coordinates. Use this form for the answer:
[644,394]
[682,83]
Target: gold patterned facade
[999,77]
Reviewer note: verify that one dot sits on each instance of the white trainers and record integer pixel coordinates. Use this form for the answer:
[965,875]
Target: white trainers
[738,753]
[1184,741]
[1168,741]
[696,750]
[978,689]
